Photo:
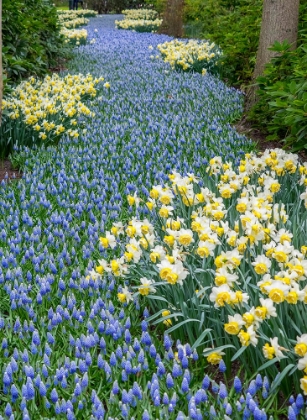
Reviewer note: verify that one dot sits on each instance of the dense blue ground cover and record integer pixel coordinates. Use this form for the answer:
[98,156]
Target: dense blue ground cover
[59,329]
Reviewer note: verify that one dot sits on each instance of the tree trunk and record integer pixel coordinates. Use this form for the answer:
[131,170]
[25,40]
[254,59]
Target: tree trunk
[279,24]
[173,19]
[1,69]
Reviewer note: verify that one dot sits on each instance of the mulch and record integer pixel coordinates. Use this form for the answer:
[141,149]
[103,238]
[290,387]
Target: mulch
[259,137]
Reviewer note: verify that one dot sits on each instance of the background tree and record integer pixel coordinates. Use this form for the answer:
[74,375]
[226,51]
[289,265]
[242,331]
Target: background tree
[279,24]
[173,18]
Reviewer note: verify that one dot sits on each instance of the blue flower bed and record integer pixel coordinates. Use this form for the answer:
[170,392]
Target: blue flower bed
[68,347]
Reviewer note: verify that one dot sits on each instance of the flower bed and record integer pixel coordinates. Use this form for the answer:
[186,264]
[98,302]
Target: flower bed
[193,55]
[75,36]
[43,110]
[139,20]
[73,14]
[75,23]
[139,25]
[224,250]
[142,14]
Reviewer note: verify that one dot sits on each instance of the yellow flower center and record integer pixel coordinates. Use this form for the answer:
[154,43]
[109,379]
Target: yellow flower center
[165,199]
[128,256]
[280,256]
[244,338]
[144,290]
[200,197]
[154,193]
[114,230]
[175,225]
[261,268]
[268,351]
[154,256]
[100,269]
[131,230]
[169,240]
[277,295]
[131,200]
[232,328]
[248,318]
[261,312]
[185,239]
[171,278]
[275,187]
[104,242]
[218,215]
[170,258]
[149,205]
[145,229]
[222,298]
[241,207]
[292,298]
[214,358]
[121,297]
[163,212]
[219,280]
[300,349]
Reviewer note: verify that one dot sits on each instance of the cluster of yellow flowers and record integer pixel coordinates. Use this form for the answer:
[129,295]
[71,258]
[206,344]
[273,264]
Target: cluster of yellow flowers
[51,106]
[234,224]
[143,14]
[75,23]
[190,55]
[73,19]
[74,14]
[139,25]
[75,36]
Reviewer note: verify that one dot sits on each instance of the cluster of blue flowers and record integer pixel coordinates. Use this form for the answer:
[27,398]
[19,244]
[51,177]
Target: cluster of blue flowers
[67,348]
[93,360]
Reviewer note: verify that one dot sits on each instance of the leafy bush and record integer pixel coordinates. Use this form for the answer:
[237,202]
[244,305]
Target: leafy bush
[234,25]
[33,44]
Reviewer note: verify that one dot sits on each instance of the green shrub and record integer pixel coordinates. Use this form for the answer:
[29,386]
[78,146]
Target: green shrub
[31,38]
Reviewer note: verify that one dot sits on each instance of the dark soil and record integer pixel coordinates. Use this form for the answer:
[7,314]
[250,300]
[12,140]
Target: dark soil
[7,172]
[259,137]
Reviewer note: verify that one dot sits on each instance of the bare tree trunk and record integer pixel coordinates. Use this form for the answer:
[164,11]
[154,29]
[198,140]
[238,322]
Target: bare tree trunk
[1,68]
[173,19]
[279,23]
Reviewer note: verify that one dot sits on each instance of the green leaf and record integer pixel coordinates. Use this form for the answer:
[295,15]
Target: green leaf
[267,364]
[238,353]
[198,342]
[280,377]
[181,323]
